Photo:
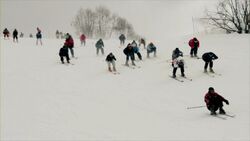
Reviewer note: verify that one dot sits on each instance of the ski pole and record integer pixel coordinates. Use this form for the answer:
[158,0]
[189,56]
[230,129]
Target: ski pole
[196,107]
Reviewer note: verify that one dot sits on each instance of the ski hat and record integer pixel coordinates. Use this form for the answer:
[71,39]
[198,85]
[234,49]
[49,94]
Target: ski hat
[210,89]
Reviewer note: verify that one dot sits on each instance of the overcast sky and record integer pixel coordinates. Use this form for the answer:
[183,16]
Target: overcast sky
[151,18]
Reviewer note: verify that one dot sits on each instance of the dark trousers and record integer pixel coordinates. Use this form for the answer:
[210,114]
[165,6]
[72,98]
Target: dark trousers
[15,38]
[208,63]
[194,51]
[139,55]
[122,42]
[175,69]
[214,107]
[131,56]
[67,58]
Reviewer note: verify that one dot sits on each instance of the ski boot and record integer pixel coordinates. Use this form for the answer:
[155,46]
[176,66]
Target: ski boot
[110,69]
[114,69]
[133,63]
[205,70]
[211,70]
[222,111]
[183,75]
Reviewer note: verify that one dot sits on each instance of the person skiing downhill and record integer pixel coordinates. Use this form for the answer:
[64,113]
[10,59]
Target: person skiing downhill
[178,63]
[69,42]
[151,48]
[15,36]
[208,59]
[214,102]
[6,33]
[111,61]
[129,52]
[99,46]
[143,42]
[38,36]
[176,53]
[122,39]
[83,39]
[136,49]
[64,53]
[194,44]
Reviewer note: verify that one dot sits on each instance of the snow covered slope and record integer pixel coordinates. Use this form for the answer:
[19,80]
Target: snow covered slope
[42,99]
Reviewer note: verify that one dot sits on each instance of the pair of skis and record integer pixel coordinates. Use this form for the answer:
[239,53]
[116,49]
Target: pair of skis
[180,79]
[212,74]
[223,116]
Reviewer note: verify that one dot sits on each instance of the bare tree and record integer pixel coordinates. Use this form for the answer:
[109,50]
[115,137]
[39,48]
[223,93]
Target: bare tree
[85,21]
[230,15]
[102,21]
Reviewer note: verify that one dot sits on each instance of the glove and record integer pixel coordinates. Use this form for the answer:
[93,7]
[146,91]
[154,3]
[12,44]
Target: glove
[226,101]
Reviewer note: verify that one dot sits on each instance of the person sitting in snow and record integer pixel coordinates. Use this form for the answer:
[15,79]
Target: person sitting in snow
[151,48]
[208,59]
[64,53]
[129,52]
[136,49]
[111,60]
[214,101]
[99,46]
[178,63]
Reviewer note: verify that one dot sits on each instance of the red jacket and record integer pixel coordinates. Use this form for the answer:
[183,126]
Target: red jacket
[213,98]
[69,42]
[82,37]
[191,43]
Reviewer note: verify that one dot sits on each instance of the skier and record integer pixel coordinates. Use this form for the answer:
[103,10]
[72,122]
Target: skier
[21,35]
[214,102]
[57,34]
[194,44]
[83,39]
[69,42]
[129,52]
[122,39]
[142,41]
[15,35]
[6,33]
[151,48]
[99,46]
[208,58]
[111,60]
[64,53]
[136,49]
[178,63]
[38,36]
[176,53]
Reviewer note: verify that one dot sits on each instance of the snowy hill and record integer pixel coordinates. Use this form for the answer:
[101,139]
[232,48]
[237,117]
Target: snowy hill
[42,99]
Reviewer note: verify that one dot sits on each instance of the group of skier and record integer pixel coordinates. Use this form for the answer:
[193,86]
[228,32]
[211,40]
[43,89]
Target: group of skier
[6,34]
[213,100]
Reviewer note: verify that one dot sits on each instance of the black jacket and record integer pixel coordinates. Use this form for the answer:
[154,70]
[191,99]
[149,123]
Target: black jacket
[128,50]
[176,53]
[110,58]
[209,56]
[63,51]
[15,33]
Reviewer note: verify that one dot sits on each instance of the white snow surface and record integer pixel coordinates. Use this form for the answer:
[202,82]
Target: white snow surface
[42,99]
